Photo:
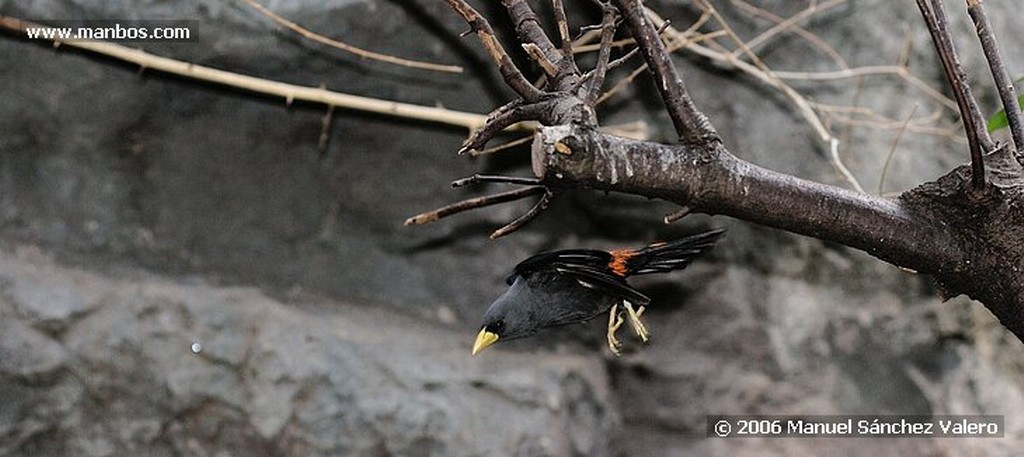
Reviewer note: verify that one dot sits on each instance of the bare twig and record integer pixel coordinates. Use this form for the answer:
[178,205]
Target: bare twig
[347,47]
[479,178]
[534,51]
[790,24]
[474,203]
[325,129]
[692,126]
[618,62]
[837,163]
[503,119]
[289,92]
[563,33]
[529,30]
[874,70]
[977,137]
[892,150]
[1004,84]
[508,69]
[681,40]
[784,25]
[916,126]
[530,215]
[601,69]
[760,71]
[501,147]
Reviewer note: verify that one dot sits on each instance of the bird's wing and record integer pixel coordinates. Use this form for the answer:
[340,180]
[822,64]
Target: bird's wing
[610,282]
[588,265]
[567,259]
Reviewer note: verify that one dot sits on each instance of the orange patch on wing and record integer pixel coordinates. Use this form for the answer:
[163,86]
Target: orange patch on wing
[618,263]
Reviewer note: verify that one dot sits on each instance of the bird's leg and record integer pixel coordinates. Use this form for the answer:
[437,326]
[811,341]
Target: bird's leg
[614,322]
[635,322]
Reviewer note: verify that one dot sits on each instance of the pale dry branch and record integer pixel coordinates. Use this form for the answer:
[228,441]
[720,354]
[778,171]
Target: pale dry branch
[815,40]
[791,24]
[366,54]
[673,46]
[289,92]
[892,149]
[874,70]
[762,73]
[951,133]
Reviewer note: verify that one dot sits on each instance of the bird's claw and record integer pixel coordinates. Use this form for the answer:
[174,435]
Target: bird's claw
[634,321]
[614,322]
[616,319]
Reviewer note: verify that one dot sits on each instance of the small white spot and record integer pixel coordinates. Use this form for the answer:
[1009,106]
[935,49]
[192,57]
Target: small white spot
[196,347]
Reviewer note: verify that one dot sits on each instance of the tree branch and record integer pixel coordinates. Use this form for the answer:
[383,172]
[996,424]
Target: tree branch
[603,55]
[1004,84]
[974,123]
[474,203]
[969,245]
[971,242]
[508,69]
[530,32]
[712,180]
[526,218]
[692,126]
[563,32]
[289,92]
[347,47]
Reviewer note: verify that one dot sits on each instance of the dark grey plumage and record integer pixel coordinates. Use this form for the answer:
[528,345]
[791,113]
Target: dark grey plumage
[575,285]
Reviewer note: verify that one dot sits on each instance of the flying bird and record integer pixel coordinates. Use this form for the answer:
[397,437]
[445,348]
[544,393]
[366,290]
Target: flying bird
[576,285]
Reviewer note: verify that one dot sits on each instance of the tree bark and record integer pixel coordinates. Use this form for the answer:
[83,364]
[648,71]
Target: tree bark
[971,241]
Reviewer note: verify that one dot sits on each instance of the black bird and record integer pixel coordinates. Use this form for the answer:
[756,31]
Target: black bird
[575,285]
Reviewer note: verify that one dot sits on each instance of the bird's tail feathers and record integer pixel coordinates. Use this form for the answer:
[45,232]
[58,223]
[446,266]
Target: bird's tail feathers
[673,255]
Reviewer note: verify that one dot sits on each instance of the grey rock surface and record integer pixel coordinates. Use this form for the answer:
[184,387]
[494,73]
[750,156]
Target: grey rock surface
[156,367]
[327,327]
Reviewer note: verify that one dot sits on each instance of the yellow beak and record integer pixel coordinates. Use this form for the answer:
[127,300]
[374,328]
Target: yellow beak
[484,339]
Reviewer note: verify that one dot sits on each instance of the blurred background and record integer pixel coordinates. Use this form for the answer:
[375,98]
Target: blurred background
[183,270]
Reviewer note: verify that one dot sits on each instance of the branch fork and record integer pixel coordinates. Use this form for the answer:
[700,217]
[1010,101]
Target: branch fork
[964,229]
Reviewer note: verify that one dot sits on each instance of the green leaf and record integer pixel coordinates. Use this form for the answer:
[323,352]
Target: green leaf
[999,121]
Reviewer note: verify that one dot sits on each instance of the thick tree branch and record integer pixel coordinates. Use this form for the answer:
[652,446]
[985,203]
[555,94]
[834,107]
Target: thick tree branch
[713,181]
[692,126]
[974,123]
[970,242]
[1004,84]
[966,229]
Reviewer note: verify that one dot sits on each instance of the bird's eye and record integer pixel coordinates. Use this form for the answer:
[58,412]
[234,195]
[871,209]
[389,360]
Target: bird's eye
[497,327]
